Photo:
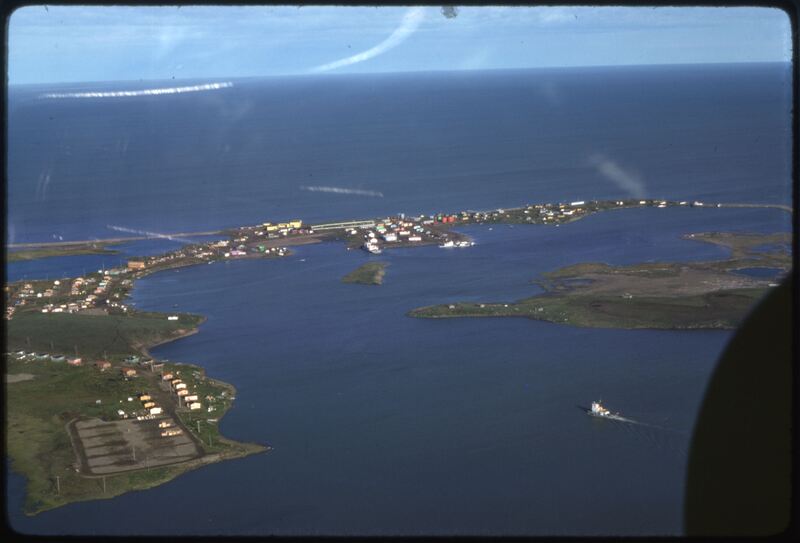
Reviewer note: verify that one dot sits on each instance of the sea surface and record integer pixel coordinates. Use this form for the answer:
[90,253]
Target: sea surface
[383,424]
[85,168]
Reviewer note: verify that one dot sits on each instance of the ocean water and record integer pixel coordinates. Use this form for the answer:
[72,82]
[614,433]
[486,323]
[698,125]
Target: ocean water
[426,142]
[383,424]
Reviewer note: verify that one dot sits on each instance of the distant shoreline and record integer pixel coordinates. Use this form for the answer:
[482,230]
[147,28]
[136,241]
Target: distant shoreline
[113,241]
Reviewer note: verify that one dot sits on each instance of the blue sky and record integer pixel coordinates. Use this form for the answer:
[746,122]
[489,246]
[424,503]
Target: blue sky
[74,43]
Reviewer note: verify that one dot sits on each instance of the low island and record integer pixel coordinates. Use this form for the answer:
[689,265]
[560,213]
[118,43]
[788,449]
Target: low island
[663,295]
[370,273]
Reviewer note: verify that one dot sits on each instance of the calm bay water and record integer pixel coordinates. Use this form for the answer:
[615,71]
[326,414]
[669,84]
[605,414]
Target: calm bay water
[383,424]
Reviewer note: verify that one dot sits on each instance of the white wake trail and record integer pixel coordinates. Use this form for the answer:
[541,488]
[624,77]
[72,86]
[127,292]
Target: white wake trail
[142,92]
[342,190]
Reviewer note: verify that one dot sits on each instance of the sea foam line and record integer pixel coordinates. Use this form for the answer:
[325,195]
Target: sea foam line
[143,92]
[341,190]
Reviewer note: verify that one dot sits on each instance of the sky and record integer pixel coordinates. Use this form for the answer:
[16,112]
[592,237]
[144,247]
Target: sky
[115,43]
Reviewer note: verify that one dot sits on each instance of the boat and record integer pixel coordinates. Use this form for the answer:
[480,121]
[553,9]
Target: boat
[447,244]
[372,248]
[465,244]
[597,410]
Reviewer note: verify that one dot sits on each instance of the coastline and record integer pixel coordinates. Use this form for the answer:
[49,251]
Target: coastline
[227,448]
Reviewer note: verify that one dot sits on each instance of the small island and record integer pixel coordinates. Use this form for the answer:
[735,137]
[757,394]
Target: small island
[370,273]
[664,295]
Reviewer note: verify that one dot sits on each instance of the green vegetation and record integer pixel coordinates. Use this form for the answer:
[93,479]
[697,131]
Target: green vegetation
[60,250]
[721,309]
[664,295]
[40,447]
[370,273]
[217,396]
[38,443]
[94,335]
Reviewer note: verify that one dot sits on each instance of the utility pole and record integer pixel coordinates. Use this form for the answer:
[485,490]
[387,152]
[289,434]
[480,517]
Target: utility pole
[198,427]
[134,453]
[58,484]
[104,484]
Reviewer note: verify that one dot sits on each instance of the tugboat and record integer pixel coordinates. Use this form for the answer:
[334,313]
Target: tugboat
[598,410]
[372,248]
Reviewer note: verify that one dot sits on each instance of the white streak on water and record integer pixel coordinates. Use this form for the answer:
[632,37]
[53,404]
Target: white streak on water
[146,233]
[341,190]
[142,92]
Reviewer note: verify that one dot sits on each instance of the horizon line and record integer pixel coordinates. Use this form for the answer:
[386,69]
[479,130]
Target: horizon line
[394,72]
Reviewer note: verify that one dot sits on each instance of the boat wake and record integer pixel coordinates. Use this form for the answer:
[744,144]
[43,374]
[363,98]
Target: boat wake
[652,435]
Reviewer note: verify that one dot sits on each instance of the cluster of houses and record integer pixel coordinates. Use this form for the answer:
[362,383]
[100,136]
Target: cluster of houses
[283,228]
[149,405]
[208,252]
[397,230]
[186,398]
[553,213]
[44,357]
[69,296]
